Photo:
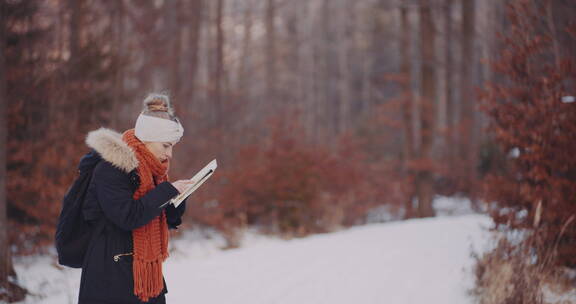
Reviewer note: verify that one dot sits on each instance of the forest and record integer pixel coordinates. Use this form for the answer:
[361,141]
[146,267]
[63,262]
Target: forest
[318,111]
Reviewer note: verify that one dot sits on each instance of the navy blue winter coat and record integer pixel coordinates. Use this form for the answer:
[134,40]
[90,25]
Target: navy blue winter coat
[106,272]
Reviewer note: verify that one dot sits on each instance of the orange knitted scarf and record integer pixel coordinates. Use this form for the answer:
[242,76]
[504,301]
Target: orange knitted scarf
[151,240]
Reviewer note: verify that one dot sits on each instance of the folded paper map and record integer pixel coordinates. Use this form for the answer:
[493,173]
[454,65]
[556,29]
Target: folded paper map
[198,179]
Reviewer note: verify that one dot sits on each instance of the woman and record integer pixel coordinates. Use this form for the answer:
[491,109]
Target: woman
[126,195]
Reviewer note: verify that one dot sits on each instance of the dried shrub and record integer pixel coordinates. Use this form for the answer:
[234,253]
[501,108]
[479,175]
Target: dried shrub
[506,275]
[520,273]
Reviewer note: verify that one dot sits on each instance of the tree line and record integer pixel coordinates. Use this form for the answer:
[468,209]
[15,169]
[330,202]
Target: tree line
[318,111]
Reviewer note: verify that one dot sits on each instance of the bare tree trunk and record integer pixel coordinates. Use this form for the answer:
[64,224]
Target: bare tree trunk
[449,66]
[271,78]
[74,49]
[330,100]
[218,73]
[427,108]
[309,70]
[118,26]
[74,70]
[467,140]
[243,85]
[292,21]
[246,42]
[9,291]
[193,13]
[407,99]
[74,29]
[4,246]
[319,79]
[174,41]
[343,68]
[195,17]
[553,33]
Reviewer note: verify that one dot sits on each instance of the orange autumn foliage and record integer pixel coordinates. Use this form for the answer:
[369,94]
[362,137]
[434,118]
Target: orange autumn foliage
[537,189]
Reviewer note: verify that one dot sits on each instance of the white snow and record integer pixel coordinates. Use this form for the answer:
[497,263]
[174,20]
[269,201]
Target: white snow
[568,99]
[450,205]
[415,261]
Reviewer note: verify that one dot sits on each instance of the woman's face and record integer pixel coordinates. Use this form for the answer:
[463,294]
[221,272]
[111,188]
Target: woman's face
[162,150]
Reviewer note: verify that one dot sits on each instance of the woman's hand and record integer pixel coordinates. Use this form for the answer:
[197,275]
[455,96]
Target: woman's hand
[182,184]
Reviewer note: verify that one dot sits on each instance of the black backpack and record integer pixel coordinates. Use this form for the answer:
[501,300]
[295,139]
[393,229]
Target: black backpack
[73,233]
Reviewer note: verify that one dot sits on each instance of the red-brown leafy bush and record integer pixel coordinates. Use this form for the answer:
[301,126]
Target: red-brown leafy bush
[285,184]
[537,129]
[288,185]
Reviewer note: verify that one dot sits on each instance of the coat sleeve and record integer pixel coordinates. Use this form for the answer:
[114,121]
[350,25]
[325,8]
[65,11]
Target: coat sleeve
[174,214]
[114,193]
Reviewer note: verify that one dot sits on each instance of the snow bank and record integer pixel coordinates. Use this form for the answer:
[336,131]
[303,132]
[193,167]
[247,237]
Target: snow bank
[416,261]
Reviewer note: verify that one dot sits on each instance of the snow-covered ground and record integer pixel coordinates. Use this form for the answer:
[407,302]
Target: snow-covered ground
[416,261]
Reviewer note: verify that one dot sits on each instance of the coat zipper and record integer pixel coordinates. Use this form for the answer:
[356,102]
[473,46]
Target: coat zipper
[117,257]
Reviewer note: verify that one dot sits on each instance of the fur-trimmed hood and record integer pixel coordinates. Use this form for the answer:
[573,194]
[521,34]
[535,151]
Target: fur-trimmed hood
[109,144]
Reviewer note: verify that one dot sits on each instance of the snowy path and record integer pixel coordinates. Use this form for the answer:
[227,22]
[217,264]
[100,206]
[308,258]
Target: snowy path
[418,261]
[406,262]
